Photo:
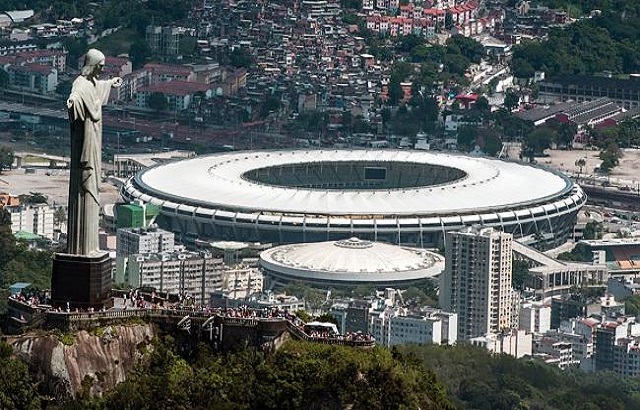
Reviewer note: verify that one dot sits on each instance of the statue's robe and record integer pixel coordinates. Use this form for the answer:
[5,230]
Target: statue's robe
[85,115]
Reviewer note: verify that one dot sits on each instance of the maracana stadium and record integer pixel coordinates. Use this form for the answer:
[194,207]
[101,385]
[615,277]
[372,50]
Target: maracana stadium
[396,196]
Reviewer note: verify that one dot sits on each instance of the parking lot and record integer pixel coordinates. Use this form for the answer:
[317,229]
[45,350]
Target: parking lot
[52,183]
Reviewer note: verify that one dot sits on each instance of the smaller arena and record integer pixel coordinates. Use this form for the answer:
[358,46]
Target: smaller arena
[347,263]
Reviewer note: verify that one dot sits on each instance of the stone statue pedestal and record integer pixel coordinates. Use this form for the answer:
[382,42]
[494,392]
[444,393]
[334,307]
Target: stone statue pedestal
[82,281]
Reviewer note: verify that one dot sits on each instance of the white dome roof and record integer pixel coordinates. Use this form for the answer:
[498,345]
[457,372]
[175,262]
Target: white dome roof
[352,260]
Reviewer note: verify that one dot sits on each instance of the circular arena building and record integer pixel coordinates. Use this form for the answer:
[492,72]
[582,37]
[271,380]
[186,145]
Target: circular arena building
[348,263]
[396,196]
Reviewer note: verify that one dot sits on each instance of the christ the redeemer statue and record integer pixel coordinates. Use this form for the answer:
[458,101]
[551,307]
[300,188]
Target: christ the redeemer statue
[85,102]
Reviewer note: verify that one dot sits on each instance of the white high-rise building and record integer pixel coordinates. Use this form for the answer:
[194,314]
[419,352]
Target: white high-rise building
[476,282]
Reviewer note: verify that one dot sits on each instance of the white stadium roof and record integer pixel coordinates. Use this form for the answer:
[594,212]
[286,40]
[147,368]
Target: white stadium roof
[217,181]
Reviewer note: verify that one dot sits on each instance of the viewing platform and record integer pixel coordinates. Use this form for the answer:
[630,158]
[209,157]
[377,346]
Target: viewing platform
[224,328]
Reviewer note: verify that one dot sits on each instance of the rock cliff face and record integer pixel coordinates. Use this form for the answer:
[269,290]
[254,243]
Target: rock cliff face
[102,358]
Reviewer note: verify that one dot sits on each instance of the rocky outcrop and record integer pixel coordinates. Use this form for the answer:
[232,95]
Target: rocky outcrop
[99,360]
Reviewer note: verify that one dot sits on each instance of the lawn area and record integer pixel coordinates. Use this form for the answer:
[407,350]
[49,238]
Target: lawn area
[35,160]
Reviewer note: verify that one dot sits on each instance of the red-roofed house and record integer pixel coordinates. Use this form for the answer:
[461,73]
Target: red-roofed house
[118,66]
[178,93]
[435,15]
[53,58]
[169,72]
[463,12]
[466,100]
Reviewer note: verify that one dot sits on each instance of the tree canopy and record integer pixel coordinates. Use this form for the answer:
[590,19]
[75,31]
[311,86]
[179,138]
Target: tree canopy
[6,158]
[18,263]
[304,375]
[297,376]
[158,101]
[606,42]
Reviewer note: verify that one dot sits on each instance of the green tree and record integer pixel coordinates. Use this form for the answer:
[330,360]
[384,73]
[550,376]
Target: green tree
[17,390]
[593,230]
[351,4]
[448,21]
[582,252]
[417,297]
[566,133]
[492,143]
[519,274]
[456,64]
[6,158]
[139,53]
[303,315]
[4,78]
[632,305]
[406,44]
[511,100]
[7,240]
[467,137]
[395,92]
[610,157]
[33,198]
[482,104]
[539,140]
[351,19]
[466,46]
[240,57]
[362,291]
[158,101]
[522,69]
[271,104]
[420,53]
[76,48]
[60,216]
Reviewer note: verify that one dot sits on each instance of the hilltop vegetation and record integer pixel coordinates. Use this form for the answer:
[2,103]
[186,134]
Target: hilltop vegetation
[476,380]
[298,376]
[609,41]
[313,376]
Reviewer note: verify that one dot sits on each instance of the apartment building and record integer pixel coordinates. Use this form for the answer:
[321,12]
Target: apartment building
[392,327]
[476,282]
[190,274]
[555,352]
[535,317]
[33,77]
[626,357]
[136,241]
[513,342]
[149,239]
[36,219]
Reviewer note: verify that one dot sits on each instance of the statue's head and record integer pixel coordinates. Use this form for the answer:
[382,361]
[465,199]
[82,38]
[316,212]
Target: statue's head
[93,62]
